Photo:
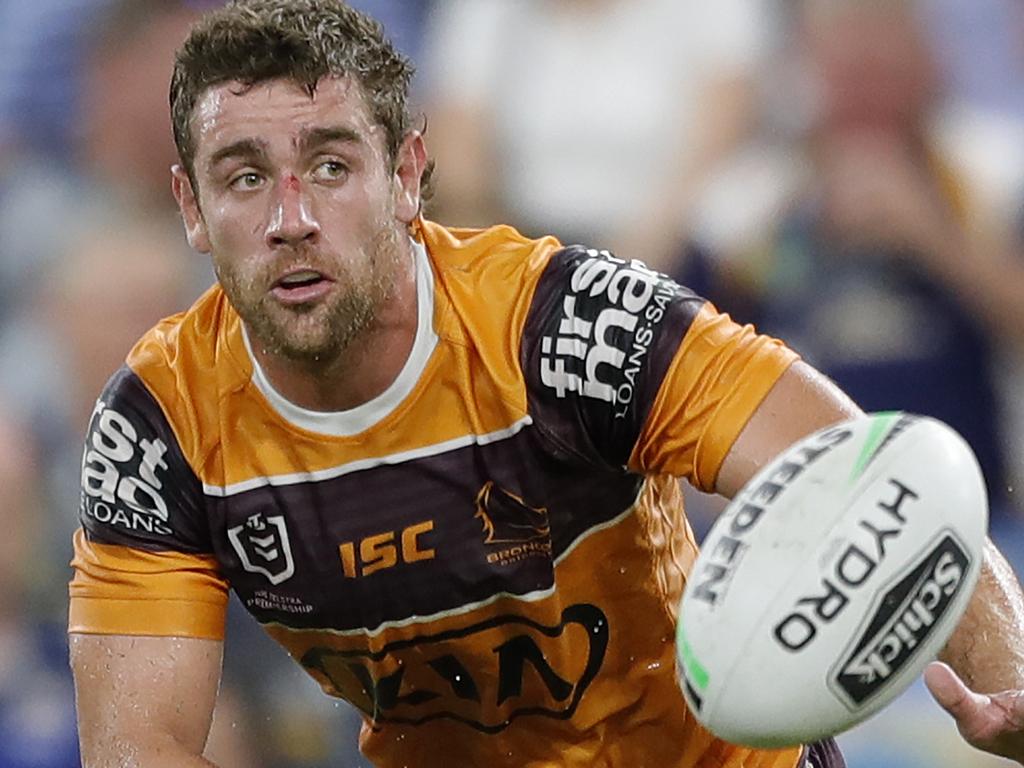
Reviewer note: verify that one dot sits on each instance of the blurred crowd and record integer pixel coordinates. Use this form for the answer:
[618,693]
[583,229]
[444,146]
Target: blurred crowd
[845,174]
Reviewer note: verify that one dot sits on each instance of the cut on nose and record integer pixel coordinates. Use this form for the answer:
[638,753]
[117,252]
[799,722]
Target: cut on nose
[291,221]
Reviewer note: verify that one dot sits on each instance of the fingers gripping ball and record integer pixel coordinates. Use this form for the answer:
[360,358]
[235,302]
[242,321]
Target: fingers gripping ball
[831,580]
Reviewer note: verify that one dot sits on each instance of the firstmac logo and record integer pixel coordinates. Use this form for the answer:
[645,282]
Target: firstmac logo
[608,320]
[123,472]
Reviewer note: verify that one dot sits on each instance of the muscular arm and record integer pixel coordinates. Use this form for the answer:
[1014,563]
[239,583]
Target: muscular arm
[987,651]
[801,402]
[144,702]
[987,647]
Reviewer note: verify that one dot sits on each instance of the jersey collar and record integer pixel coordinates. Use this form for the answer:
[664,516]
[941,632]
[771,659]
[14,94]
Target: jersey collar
[362,417]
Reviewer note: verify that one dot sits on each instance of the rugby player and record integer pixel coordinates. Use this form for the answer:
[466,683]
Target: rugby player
[439,466]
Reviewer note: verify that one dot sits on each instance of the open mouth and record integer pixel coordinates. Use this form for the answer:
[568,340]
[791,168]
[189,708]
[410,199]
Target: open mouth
[301,286]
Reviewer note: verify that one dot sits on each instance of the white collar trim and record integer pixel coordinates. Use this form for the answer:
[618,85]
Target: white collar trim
[362,417]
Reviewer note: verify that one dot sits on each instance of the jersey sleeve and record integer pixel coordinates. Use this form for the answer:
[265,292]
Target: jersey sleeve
[143,559]
[598,338]
[714,384]
[628,370]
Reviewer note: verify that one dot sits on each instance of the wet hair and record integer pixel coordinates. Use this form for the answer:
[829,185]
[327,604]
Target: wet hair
[252,41]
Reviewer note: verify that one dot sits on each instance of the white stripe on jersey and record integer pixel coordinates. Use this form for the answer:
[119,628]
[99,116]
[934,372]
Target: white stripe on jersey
[376,461]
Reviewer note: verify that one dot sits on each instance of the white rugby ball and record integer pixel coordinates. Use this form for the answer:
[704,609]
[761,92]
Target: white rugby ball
[831,580]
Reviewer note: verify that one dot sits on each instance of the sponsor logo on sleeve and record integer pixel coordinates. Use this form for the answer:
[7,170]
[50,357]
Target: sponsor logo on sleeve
[609,317]
[122,475]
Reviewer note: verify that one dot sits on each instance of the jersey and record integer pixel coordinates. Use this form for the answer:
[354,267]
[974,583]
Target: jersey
[487,556]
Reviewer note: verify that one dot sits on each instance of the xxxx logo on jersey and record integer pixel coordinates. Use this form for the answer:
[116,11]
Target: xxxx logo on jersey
[485,675]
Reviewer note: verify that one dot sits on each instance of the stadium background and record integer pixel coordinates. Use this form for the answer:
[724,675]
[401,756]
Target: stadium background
[806,163]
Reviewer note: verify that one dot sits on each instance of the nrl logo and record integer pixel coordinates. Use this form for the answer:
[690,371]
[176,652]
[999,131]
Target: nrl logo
[262,546]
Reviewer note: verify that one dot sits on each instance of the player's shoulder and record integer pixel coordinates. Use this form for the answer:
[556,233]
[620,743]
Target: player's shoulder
[152,428]
[484,281]
[185,341]
[182,365]
[483,255]
[496,275]
[503,260]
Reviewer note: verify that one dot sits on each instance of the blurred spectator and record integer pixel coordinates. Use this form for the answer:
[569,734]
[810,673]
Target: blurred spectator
[37,716]
[124,141]
[597,120]
[121,145]
[41,49]
[404,22]
[116,274]
[979,48]
[875,272]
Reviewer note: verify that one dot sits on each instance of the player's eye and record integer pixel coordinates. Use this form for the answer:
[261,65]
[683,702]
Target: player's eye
[246,182]
[330,170]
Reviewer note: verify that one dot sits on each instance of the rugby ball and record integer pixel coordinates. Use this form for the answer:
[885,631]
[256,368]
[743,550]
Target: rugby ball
[830,581]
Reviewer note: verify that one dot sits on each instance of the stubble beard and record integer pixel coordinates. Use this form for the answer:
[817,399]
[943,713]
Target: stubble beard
[317,336]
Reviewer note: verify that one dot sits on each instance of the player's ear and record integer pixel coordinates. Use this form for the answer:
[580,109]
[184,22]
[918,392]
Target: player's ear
[188,204]
[409,165]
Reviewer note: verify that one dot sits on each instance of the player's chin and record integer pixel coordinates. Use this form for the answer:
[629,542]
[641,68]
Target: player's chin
[306,349]
[301,336]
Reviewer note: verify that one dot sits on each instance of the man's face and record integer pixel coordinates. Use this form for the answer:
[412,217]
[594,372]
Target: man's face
[298,204]
[874,68]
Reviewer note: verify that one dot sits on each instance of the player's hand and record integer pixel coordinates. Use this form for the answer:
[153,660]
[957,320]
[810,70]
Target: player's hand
[990,722]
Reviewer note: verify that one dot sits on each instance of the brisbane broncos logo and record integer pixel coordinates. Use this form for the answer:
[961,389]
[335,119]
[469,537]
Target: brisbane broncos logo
[513,530]
[507,519]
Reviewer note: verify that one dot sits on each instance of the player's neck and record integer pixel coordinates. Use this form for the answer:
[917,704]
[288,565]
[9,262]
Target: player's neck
[364,370]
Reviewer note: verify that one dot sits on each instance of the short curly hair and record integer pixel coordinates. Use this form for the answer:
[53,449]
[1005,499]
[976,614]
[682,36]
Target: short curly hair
[251,41]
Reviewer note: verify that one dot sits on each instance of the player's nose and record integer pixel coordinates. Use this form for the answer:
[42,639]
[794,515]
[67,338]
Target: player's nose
[291,220]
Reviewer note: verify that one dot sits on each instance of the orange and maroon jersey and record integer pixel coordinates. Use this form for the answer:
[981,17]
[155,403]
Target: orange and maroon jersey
[487,558]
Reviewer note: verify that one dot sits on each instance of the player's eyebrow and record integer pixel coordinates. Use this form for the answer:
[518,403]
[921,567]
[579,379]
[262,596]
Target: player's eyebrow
[246,149]
[313,138]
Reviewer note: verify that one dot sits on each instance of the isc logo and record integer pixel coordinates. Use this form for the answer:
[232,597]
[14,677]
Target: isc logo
[383,550]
